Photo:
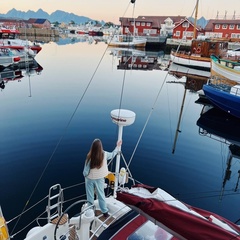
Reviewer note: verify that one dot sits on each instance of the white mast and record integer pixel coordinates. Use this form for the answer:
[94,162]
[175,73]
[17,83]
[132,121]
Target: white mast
[122,118]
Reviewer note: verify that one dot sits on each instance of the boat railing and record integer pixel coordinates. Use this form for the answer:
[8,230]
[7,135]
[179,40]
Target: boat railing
[54,203]
[221,83]
[103,224]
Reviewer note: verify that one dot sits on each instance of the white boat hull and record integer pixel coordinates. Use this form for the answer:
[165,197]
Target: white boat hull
[191,61]
[225,72]
[117,41]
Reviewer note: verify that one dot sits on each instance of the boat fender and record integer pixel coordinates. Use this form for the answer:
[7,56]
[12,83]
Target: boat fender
[111,180]
[122,176]
[3,229]
[198,50]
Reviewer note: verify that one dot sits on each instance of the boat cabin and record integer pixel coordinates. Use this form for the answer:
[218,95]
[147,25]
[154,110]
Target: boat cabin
[9,33]
[207,47]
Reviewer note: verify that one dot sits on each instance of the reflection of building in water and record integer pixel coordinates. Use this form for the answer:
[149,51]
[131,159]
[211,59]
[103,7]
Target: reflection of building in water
[135,59]
[220,126]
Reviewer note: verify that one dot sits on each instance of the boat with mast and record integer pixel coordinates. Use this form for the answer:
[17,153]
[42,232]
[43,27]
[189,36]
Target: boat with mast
[131,41]
[201,49]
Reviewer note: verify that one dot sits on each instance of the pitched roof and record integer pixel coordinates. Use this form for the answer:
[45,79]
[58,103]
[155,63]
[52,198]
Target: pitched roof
[199,28]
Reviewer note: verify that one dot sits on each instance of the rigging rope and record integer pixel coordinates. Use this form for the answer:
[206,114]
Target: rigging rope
[147,120]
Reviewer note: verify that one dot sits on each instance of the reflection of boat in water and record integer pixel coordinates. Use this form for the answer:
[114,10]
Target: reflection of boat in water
[195,78]
[136,59]
[22,70]
[218,122]
[222,127]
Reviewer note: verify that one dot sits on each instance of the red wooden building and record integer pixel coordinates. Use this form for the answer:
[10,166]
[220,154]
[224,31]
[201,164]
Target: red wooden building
[149,25]
[223,28]
[185,30]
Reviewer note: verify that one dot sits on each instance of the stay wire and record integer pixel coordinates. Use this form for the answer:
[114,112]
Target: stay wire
[60,139]
[147,120]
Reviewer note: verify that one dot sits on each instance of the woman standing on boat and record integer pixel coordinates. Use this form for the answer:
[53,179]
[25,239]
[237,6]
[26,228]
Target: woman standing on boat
[95,169]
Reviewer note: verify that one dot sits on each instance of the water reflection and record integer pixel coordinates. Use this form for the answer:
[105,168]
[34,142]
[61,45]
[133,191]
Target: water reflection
[16,73]
[195,79]
[138,59]
[219,126]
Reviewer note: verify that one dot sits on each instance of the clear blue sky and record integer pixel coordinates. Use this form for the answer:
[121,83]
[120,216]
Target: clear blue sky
[111,10]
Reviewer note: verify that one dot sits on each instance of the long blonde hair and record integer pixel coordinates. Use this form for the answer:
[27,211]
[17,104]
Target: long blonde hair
[95,154]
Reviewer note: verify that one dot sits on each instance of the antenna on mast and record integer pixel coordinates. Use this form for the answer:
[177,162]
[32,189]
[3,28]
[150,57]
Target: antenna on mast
[122,118]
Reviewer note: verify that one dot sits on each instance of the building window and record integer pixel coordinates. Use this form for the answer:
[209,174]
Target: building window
[235,35]
[185,24]
[238,26]
[143,24]
[231,26]
[132,23]
[217,26]
[137,23]
[149,24]
[178,33]
[224,26]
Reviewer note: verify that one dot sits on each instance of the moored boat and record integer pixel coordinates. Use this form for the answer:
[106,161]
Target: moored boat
[118,41]
[199,55]
[224,94]
[225,68]
[130,40]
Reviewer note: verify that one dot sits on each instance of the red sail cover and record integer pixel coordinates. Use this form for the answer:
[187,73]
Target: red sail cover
[180,223]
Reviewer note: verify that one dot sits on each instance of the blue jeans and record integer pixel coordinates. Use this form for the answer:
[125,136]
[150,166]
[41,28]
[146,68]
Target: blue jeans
[98,184]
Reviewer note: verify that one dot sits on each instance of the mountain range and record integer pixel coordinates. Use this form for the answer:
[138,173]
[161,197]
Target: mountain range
[57,16]
[61,16]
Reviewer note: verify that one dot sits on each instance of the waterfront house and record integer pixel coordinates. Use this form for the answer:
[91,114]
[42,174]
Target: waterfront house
[149,25]
[185,30]
[39,23]
[223,28]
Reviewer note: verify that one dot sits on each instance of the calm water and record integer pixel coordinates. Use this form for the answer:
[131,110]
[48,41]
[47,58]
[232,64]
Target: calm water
[36,111]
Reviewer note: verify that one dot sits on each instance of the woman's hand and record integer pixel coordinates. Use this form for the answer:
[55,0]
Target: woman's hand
[119,143]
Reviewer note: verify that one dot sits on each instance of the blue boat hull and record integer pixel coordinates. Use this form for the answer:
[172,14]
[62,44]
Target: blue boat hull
[229,103]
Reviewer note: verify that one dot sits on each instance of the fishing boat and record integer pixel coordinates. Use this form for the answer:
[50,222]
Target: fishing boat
[129,41]
[10,38]
[201,49]
[199,55]
[225,68]
[224,94]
